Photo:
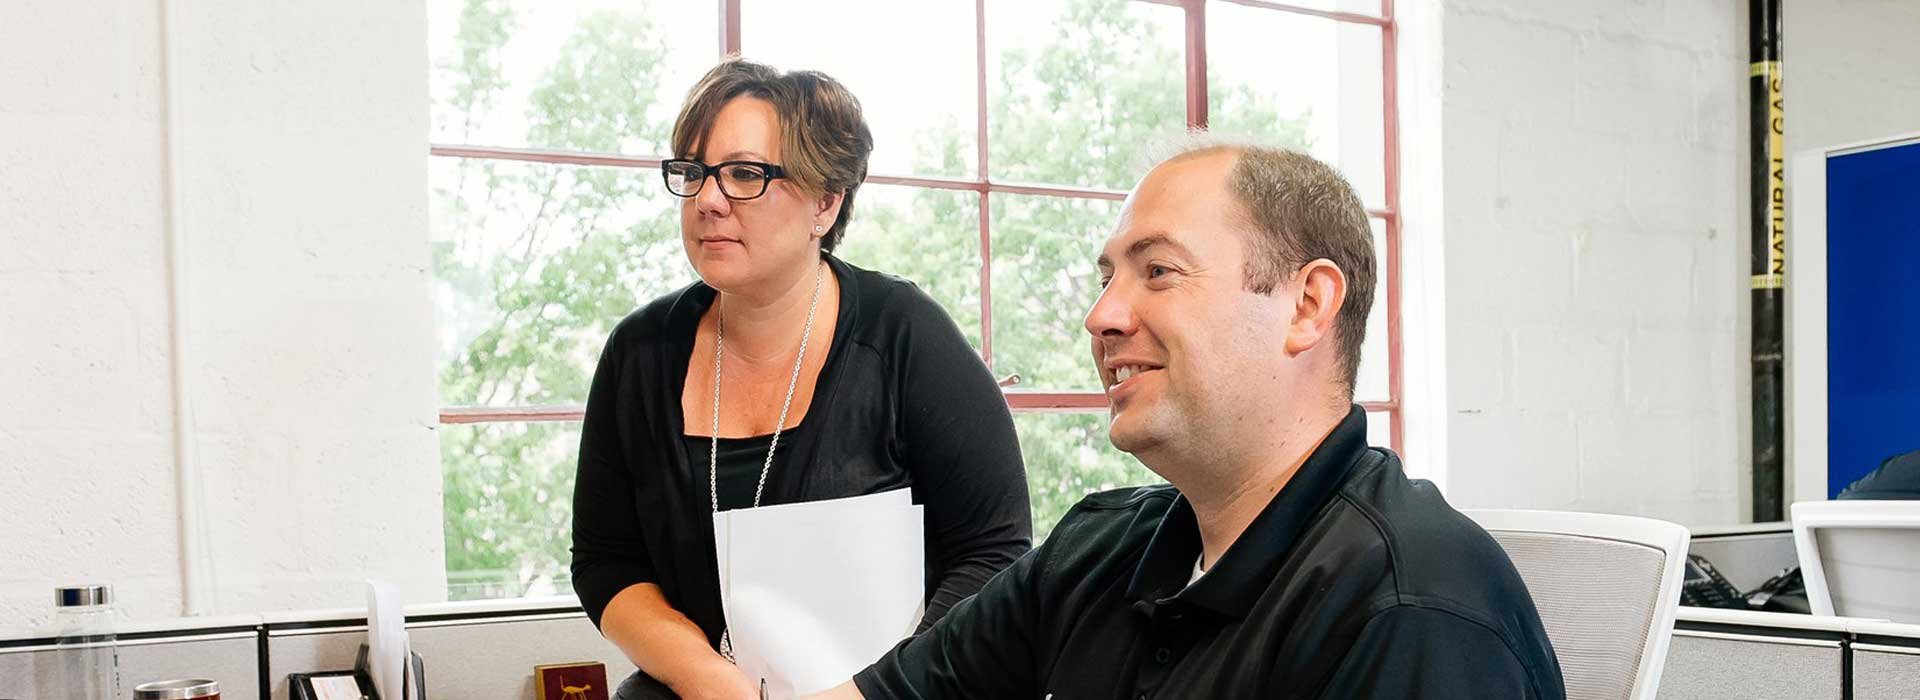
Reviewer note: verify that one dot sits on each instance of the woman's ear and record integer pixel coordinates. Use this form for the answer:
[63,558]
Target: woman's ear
[828,211]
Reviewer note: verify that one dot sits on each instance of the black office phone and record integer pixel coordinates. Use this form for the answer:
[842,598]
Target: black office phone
[1704,587]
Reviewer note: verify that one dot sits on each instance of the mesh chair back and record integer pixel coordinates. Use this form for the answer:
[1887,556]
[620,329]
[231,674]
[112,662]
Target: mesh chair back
[1597,599]
[1607,588]
[1860,558]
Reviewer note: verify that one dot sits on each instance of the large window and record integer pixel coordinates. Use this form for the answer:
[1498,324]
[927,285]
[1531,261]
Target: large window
[1006,133]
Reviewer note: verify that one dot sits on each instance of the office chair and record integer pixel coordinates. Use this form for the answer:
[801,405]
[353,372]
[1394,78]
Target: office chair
[1860,558]
[1606,586]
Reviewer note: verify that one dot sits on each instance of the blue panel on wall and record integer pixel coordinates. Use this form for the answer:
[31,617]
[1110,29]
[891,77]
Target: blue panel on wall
[1873,310]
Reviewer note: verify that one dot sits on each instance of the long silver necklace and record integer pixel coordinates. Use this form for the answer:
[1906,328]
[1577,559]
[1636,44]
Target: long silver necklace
[713,448]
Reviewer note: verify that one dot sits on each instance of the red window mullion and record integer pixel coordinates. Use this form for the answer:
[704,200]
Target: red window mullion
[729,27]
[1390,101]
[986,198]
[1335,15]
[1196,64]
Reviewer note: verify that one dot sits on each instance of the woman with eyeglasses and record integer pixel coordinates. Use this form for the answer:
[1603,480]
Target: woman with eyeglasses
[784,375]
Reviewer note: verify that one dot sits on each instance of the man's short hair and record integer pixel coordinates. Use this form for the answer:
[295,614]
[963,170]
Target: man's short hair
[1300,210]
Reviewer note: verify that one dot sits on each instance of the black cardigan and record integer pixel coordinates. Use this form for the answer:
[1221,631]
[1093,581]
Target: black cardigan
[902,401]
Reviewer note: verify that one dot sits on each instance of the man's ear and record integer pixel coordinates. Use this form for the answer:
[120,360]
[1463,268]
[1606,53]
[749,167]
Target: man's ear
[1320,292]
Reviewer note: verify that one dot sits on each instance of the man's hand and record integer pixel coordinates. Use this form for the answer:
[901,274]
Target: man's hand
[845,691]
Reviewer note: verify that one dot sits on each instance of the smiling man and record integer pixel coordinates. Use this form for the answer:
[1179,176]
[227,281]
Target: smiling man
[1285,557]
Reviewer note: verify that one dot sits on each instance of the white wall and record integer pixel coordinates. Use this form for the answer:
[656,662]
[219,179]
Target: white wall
[297,176]
[1595,245]
[1850,71]
[1596,236]
[83,308]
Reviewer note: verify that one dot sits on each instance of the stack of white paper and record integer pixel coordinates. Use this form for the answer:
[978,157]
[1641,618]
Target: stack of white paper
[816,591]
[386,640]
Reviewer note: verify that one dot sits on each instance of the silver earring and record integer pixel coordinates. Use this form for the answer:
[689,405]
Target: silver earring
[817,228]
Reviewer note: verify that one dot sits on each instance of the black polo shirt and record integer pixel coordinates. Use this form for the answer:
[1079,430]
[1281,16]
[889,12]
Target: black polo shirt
[1354,582]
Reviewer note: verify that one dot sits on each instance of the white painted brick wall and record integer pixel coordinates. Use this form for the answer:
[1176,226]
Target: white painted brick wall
[1850,71]
[86,467]
[311,325]
[1595,232]
[303,186]
[1596,236]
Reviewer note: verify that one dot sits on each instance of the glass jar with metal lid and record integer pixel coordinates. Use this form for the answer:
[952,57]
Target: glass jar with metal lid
[86,661]
[186,689]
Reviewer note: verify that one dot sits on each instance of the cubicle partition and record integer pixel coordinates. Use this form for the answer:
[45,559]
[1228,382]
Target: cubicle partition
[225,649]
[1762,656]
[1886,661]
[470,650]
[488,650]
[1756,655]
[1737,653]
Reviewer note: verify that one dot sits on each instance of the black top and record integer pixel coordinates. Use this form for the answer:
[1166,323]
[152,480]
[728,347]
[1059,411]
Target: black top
[1354,582]
[741,461]
[902,401]
[1896,479]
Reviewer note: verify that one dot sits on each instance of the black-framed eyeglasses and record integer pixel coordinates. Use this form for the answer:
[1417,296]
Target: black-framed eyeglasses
[739,179]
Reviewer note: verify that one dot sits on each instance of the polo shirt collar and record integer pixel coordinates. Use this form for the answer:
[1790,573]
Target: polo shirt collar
[1232,585]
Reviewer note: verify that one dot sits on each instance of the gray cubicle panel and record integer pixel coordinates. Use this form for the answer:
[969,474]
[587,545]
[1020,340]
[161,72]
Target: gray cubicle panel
[464,655]
[495,657]
[1705,664]
[1886,666]
[1748,654]
[230,656]
[307,648]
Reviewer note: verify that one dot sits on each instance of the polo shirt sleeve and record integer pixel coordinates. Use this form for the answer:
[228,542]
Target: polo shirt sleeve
[1416,652]
[985,647]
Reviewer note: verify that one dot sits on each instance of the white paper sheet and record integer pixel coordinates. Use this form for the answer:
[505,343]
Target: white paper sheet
[386,640]
[336,688]
[816,591]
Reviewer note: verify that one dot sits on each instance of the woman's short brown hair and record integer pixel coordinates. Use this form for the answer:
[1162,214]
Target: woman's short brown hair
[824,140]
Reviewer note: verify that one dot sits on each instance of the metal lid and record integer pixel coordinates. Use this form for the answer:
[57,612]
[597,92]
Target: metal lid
[75,596]
[177,690]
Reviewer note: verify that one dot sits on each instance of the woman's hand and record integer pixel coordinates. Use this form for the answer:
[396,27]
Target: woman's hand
[670,649]
[717,681]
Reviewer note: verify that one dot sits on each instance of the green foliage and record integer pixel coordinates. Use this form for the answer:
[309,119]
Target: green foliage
[508,508]
[535,263]
[598,95]
[472,77]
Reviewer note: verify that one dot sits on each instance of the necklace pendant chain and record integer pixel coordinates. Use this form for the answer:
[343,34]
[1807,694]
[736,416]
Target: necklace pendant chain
[793,383]
[713,448]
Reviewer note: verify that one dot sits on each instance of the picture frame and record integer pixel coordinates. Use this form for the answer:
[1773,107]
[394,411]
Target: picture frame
[580,680]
